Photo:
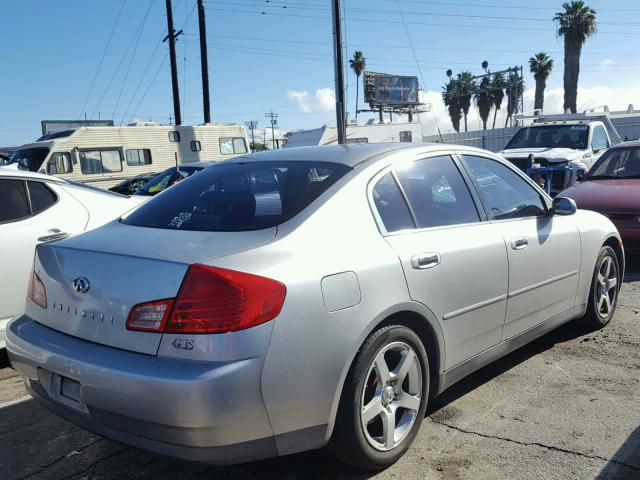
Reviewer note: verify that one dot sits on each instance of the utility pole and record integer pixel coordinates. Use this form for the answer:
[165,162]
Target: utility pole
[274,122]
[171,36]
[252,126]
[338,68]
[204,63]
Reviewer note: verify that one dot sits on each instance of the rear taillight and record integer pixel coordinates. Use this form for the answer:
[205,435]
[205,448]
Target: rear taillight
[150,317]
[36,292]
[214,300]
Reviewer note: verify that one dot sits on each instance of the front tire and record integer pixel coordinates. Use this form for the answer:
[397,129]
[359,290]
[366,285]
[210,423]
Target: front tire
[605,287]
[383,400]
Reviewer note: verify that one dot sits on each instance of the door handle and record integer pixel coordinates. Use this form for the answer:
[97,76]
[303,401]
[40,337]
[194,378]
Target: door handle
[53,235]
[423,261]
[519,243]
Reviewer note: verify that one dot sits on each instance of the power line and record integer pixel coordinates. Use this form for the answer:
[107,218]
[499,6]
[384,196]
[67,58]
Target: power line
[133,55]
[445,49]
[115,73]
[304,6]
[387,21]
[153,79]
[516,7]
[104,53]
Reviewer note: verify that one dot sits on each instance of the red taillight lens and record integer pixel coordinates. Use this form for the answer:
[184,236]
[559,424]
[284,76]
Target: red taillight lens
[36,292]
[150,317]
[215,300]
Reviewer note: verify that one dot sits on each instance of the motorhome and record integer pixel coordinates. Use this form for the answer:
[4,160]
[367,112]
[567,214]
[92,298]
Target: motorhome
[371,132]
[104,155]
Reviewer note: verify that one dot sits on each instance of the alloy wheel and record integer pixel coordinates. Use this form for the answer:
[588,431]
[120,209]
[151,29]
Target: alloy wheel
[391,396]
[606,287]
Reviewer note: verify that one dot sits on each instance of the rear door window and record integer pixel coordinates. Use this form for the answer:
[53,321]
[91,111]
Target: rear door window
[13,200]
[437,193]
[238,197]
[391,206]
[42,197]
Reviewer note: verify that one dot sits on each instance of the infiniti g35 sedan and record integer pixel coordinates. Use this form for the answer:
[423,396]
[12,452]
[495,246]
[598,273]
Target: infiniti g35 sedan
[296,299]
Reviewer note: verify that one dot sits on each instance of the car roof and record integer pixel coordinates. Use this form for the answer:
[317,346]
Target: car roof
[14,172]
[350,154]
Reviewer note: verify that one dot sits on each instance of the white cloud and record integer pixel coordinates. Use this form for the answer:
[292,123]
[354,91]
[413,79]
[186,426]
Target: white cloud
[324,100]
[605,63]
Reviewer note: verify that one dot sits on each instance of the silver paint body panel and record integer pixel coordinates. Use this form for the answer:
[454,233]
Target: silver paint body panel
[279,384]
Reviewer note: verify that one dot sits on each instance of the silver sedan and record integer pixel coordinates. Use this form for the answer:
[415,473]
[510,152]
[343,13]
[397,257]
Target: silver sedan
[297,299]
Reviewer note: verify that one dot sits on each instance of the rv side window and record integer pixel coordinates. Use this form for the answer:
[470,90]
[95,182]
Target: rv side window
[60,162]
[140,156]
[174,136]
[405,136]
[195,146]
[358,140]
[231,145]
[100,161]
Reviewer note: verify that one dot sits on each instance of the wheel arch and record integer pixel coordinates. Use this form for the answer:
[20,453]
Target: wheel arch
[423,322]
[615,243]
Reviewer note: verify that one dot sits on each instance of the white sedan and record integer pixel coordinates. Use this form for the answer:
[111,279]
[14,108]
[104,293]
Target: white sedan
[36,208]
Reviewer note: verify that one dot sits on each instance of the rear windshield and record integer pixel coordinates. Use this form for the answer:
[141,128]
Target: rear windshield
[238,196]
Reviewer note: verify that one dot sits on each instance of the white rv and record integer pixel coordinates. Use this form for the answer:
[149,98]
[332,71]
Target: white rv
[106,155]
[371,132]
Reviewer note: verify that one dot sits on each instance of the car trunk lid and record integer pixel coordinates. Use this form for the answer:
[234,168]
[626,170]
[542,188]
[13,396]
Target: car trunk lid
[120,272]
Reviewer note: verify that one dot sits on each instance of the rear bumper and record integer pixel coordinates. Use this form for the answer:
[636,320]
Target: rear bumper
[193,410]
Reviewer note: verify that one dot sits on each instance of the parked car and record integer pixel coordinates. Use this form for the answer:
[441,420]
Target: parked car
[612,188]
[170,177]
[565,148]
[36,208]
[129,186]
[293,299]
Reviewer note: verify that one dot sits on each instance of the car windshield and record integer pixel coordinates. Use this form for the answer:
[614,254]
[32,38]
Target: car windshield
[165,179]
[29,158]
[551,136]
[239,196]
[617,163]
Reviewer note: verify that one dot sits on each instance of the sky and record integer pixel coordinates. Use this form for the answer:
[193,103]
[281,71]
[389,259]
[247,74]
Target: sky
[106,59]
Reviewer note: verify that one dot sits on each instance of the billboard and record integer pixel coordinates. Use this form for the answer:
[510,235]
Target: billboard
[381,89]
[53,126]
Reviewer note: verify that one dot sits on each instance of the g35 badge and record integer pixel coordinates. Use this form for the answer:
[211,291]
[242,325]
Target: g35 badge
[182,344]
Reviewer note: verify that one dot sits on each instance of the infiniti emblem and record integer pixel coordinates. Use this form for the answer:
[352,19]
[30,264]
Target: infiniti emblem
[81,285]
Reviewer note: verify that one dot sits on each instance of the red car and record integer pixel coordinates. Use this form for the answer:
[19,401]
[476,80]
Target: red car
[612,188]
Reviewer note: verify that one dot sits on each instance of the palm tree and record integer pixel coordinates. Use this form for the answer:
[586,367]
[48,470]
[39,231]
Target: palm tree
[451,100]
[497,93]
[576,23]
[466,87]
[540,65]
[358,64]
[515,88]
[484,100]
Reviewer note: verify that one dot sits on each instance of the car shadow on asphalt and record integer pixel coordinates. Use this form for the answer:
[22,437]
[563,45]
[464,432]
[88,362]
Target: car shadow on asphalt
[626,461]
[564,333]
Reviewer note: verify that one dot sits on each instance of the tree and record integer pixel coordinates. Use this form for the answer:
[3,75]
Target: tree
[358,64]
[575,24]
[540,65]
[451,100]
[484,100]
[515,87]
[466,88]
[498,84]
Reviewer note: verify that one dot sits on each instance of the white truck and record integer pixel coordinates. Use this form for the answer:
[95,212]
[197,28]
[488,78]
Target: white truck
[556,150]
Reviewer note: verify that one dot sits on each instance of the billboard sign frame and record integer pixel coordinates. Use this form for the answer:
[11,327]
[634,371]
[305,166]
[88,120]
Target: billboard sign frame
[382,90]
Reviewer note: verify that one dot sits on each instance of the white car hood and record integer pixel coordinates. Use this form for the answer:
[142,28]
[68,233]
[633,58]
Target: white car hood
[551,154]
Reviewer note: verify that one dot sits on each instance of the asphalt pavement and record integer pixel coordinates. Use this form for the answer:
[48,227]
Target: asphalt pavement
[564,407]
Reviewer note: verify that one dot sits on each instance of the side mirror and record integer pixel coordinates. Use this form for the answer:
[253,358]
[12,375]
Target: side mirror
[564,206]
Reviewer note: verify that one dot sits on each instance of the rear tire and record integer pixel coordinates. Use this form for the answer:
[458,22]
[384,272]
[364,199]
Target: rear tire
[605,287]
[383,401]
